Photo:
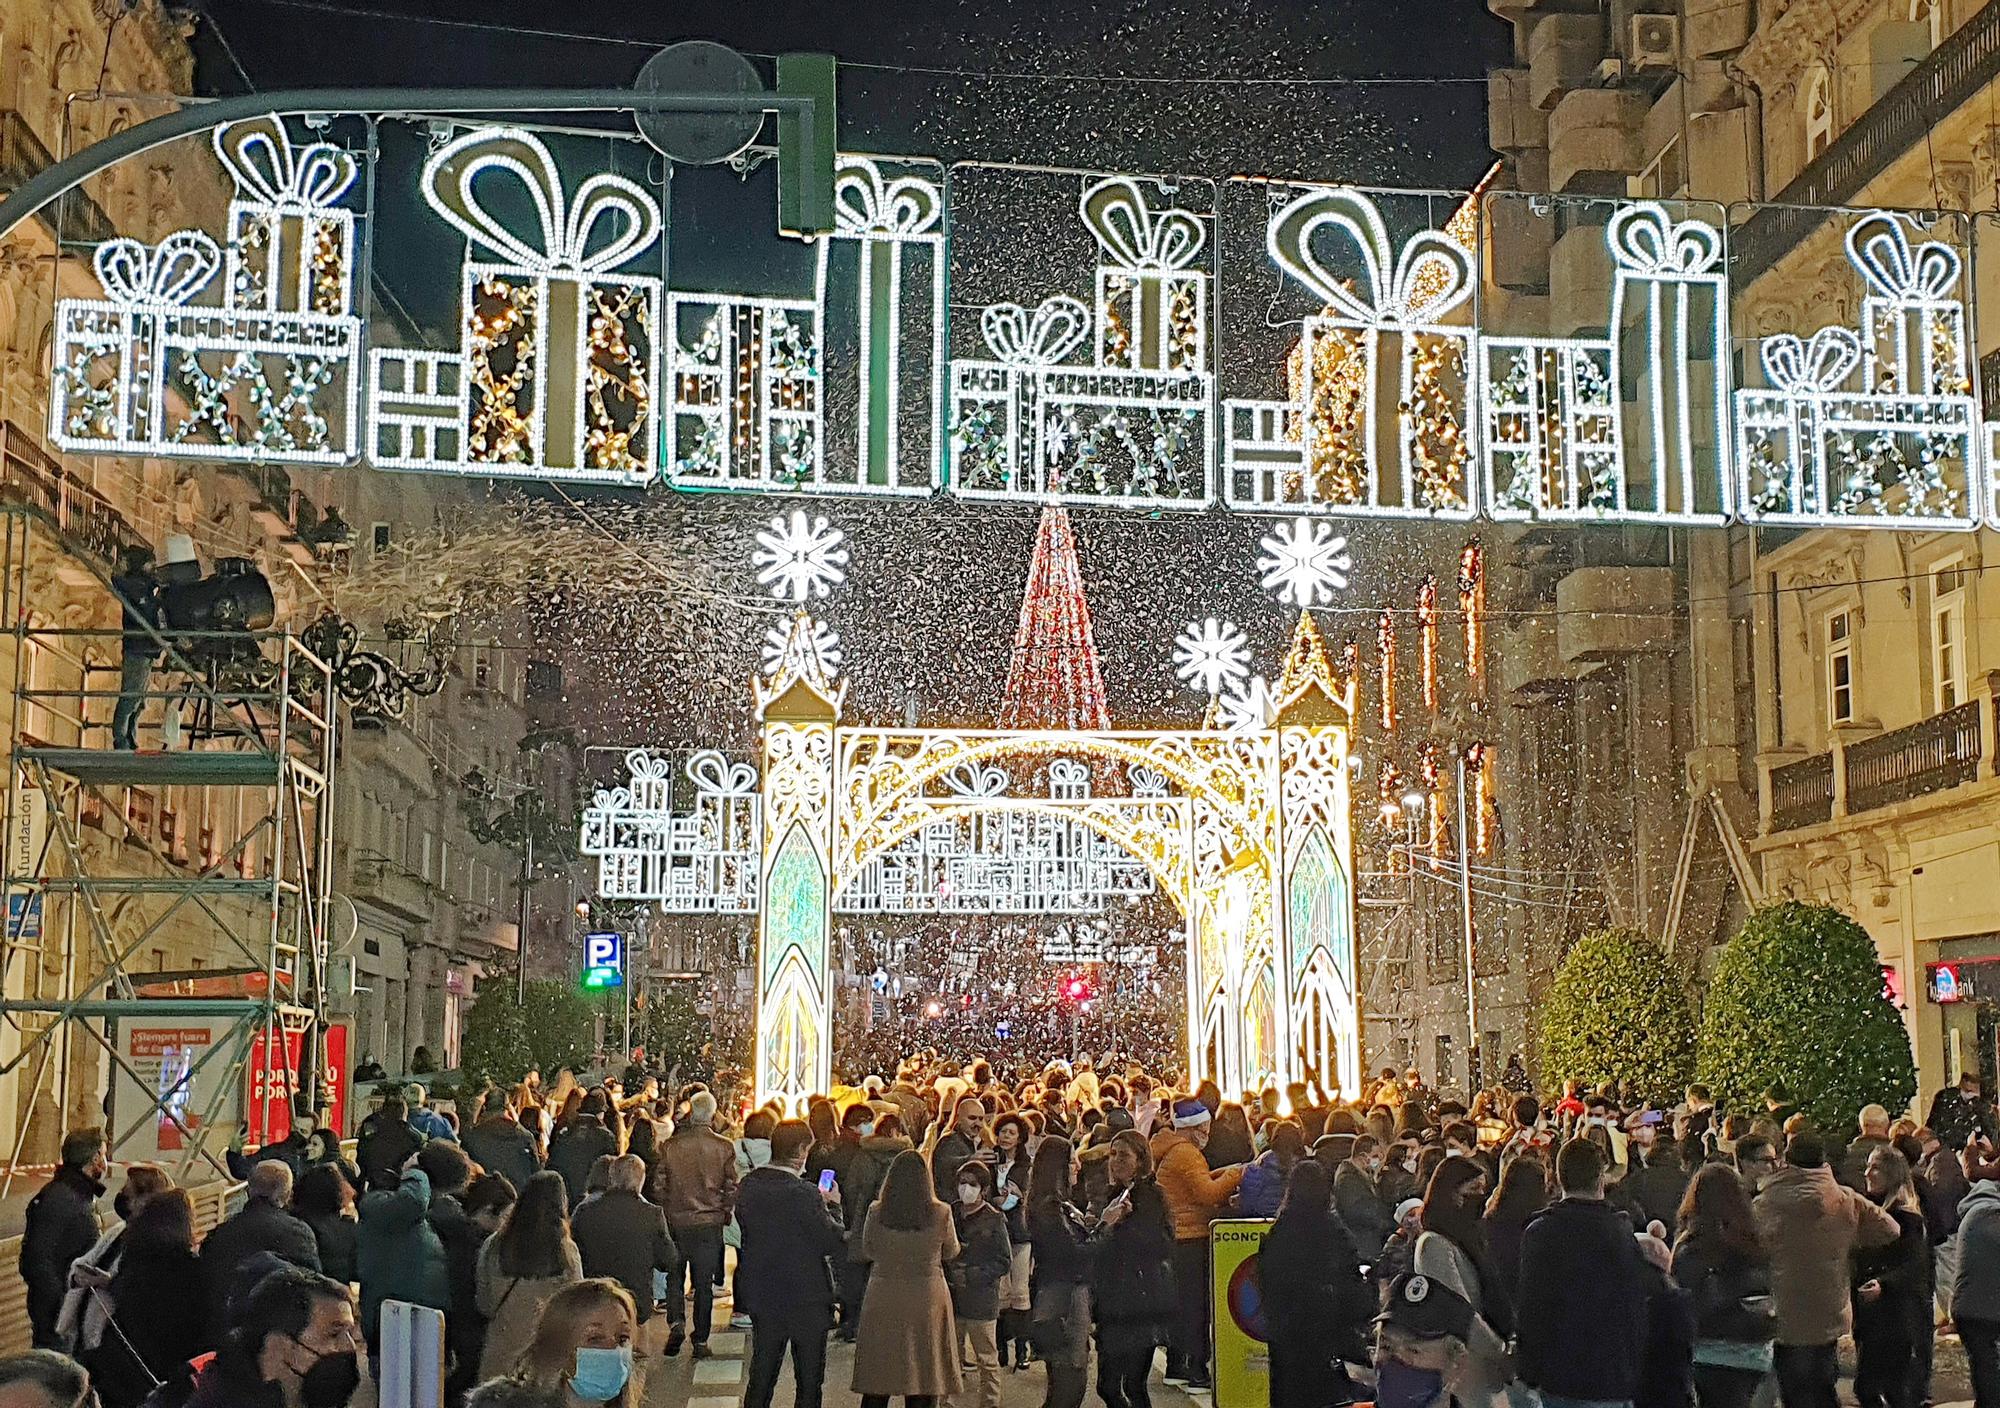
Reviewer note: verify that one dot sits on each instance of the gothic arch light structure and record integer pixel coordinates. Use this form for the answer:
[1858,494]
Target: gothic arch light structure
[1248,831]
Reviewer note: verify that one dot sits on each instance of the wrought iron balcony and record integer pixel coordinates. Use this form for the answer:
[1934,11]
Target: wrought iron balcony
[84,518]
[74,217]
[1802,793]
[1941,751]
[1952,74]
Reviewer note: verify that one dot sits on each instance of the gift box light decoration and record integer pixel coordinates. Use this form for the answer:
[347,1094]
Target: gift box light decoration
[1901,449]
[261,364]
[701,861]
[1000,862]
[1133,425]
[557,374]
[894,228]
[1379,417]
[1632,425]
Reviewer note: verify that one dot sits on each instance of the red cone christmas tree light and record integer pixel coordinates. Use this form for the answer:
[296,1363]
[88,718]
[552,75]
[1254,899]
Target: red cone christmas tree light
[1053,680]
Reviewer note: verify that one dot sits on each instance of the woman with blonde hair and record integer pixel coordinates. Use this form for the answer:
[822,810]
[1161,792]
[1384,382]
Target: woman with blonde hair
[580,1352]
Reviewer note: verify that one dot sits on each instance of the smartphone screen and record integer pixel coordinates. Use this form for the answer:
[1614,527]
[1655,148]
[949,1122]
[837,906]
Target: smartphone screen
[826,1180]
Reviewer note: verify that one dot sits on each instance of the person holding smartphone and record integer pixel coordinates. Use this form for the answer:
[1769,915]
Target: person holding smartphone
[790,1229]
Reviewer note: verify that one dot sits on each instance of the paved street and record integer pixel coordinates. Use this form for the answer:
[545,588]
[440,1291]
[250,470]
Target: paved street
[718,1383]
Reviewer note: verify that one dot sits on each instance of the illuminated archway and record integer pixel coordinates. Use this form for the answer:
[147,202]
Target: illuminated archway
[1248,831]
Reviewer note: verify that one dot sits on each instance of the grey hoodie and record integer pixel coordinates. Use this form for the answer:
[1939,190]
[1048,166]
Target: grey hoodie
[1975,1286]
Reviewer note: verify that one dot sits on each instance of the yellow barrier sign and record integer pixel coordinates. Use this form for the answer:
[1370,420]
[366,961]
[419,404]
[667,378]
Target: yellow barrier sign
[1242,1355]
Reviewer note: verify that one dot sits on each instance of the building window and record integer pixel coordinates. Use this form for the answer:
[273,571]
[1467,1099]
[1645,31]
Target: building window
[1444,1066]
[1840,668]
[1948,593]
[1818,110]
[1664,178]
[379,537]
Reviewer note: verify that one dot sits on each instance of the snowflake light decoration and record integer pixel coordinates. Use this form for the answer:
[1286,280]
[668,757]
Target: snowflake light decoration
[800,557]
[825,641]
[1248,707]
[1305,562]
[1211,654]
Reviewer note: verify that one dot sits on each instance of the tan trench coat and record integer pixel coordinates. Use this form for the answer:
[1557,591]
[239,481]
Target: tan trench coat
[907,1341]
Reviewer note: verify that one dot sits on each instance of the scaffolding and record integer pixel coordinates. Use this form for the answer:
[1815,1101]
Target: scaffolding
[100,867]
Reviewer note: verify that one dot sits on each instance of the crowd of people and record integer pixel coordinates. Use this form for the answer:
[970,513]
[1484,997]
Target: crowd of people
[957,1226]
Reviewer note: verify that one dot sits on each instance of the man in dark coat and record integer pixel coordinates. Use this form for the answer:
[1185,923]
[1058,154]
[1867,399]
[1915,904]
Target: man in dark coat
[1959,1112]
[138,593]
[262,1226]
[1358,1198]
[577,1148]
[62,1226]
[783,1282]
[386,1142]
[1581,1319]
[296,1328]
[498,1144]
[622,1237]
[968,1133]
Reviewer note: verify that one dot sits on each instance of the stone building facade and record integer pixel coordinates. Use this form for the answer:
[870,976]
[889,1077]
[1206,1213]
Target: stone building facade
[422,907]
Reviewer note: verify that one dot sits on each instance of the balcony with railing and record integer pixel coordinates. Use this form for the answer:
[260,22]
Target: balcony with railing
[1950,76]
[72,217]
[1939,752]
[83,518]
[1802,793]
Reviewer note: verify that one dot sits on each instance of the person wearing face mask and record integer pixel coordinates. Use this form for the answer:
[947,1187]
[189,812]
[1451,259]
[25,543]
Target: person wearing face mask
[296,1345]
[1357,1194]
[1452,1250]
[61,1226]
[580,1354]
[81,1326]
[985,1258]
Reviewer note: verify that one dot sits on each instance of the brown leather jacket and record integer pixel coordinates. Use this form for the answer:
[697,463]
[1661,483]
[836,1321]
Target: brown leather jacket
[694,1177]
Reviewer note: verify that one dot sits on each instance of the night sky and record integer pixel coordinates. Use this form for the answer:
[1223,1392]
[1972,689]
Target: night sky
[936,585]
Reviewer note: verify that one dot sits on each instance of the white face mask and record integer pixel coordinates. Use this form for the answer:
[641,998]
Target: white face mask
[863,1131]
[968,1193]
[1594,1121]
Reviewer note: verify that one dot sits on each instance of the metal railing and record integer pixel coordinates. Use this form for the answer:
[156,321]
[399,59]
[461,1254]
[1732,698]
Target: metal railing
[1941,751]
[1954,72]
[30,475]
[1802,793]
[22,155]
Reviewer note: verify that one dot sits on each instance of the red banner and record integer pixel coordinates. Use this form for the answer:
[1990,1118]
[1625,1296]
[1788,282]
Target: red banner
[273,1085]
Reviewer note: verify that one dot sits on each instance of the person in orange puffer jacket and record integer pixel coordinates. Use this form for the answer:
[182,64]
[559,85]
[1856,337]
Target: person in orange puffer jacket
[1195,1196]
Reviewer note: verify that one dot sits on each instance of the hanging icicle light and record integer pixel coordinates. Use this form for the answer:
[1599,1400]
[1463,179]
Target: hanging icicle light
[1479,762]
[1385,663]
[1472,606]
[1427,628]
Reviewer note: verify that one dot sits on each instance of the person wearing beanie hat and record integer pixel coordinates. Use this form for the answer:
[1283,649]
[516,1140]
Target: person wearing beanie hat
[1195,1196]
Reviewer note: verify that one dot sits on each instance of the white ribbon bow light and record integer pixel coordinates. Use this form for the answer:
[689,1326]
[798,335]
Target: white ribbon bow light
[1038,339]
[1880,248]
[1430,276]
[169,273]
[1797,367]
[1135,236]
[571,242]
[969,779]
[1645,239]
[715,776]
[865,202]
[267,168]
